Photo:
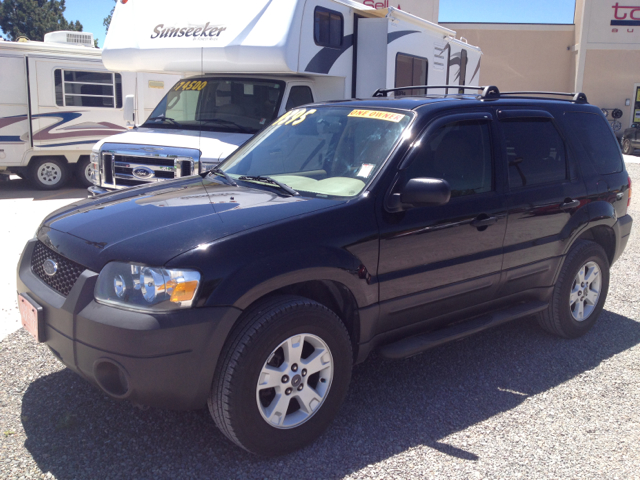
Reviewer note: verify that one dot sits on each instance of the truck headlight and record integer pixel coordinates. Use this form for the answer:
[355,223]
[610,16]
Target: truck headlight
[95,167]
[139,287]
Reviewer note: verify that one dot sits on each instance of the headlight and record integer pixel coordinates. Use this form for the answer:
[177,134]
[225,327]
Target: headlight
[95,167]
[138,287]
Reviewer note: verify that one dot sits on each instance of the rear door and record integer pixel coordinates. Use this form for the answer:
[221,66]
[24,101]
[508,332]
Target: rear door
[544,192]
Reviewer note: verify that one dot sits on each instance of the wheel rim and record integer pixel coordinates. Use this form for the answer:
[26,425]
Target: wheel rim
[294,381]
[49,173]
[585,291]
[627,144]
[88,172]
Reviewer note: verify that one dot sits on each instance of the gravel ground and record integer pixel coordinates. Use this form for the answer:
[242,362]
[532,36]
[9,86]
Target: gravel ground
[507,403]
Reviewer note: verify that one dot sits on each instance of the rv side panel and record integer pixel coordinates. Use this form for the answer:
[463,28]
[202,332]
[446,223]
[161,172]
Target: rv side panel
[14,121]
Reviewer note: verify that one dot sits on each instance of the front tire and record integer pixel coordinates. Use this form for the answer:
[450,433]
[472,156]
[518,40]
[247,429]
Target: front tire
[580,292]
[282,376]
[627,149]
[84,170]
[48,173]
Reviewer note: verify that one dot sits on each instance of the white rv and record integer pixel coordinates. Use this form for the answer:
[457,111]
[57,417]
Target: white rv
[57,100]
[250,62]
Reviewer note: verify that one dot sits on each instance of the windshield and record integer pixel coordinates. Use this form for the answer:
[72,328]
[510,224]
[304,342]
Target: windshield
[324,151]
[218,104]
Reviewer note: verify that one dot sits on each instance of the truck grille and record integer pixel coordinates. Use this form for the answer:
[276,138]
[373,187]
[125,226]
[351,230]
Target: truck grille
[66,275]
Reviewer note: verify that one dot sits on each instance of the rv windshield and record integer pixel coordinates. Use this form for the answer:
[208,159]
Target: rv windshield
[320,151]
[219,105]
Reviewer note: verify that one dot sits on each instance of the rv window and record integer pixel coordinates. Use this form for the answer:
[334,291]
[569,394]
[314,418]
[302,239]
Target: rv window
[410,71]
[88,89]
[299,95]
[328,27]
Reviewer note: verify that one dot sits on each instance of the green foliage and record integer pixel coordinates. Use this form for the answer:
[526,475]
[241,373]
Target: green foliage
[107,20]
[34,18]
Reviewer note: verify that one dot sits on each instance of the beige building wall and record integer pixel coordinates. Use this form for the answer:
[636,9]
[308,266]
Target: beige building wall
[523,57]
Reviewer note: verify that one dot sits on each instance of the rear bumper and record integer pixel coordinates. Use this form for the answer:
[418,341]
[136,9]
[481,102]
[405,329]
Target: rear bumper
[162,360]
[622,229]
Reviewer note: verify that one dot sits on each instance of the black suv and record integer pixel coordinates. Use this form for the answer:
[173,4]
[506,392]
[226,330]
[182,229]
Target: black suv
[394,224]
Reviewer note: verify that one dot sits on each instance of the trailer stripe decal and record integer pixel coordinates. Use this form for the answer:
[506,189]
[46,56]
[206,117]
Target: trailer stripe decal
[71,143]
[323,61]
[7,139]
[396,35]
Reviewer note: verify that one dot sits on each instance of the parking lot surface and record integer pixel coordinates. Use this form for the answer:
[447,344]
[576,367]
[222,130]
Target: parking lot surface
[512,402]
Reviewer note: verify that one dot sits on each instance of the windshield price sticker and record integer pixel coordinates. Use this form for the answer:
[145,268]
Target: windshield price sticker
[295,117]
[378,115]
[365,170]
[193,85]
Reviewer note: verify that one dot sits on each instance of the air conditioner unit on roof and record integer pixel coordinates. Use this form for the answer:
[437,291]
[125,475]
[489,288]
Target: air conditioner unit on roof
[70,37]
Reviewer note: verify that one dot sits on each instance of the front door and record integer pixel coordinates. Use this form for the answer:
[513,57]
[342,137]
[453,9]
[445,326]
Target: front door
[438,259]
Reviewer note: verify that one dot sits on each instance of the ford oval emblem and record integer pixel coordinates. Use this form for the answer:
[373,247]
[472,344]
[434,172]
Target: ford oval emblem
[50,267]
[143,173]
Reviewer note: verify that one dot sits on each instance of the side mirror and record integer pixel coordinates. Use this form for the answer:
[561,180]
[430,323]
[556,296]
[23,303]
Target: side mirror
[129,108]
[421,192]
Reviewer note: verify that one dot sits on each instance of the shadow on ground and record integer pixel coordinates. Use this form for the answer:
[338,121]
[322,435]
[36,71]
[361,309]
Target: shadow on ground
[19,188]
[74,431]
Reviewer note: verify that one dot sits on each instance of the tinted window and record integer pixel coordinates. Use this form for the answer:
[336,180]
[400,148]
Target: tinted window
[593,135]
[535,152]
[327,28]
[88,89]
[410,71]
[299,95]
[461,154]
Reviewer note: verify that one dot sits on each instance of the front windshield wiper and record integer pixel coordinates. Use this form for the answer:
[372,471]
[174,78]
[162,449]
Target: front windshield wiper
[229,124]
[271,181]
[217,170]
[164,119]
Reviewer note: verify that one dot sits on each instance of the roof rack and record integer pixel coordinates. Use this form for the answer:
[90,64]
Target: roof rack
[489,92]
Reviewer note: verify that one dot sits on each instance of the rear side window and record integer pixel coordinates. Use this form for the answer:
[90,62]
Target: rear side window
[299,95]
[88,89]
[535,152]
[593,135]
[328,27]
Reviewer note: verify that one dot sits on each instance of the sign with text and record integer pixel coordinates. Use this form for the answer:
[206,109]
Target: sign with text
[615,22]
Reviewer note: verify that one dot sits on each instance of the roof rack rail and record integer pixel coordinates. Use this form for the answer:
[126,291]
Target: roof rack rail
[576,97]
[490,92]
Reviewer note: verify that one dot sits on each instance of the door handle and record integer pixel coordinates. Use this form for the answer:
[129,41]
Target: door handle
[570,204]
[483,221]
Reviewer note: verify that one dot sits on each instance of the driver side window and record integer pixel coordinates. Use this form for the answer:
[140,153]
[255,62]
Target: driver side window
[459,153]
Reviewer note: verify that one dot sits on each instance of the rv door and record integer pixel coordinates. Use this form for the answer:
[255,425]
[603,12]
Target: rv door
[14,113]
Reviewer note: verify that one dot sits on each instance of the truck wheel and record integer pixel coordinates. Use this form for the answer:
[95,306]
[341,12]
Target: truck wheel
[627,149]
[48,173]
[580,292]
[84,169]
[282,376]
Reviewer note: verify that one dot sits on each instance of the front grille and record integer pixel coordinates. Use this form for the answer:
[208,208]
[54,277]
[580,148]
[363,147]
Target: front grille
[66,275]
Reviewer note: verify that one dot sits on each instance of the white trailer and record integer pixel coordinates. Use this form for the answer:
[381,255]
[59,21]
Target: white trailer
[250,62]
[57,100]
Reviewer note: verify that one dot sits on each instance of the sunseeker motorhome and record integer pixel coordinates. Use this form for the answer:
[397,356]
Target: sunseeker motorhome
[57,100]
[250,62]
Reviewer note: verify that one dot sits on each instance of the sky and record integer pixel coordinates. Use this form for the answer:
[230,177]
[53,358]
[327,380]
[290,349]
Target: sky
[91,13]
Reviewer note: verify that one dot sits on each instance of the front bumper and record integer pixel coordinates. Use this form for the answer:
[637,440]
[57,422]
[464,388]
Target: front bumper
[94,191]
[161,360]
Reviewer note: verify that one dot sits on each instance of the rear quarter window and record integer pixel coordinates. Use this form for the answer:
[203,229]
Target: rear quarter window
[593,137]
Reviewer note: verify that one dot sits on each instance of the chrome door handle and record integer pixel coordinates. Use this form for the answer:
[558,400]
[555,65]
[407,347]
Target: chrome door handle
[483,222]
[570,204]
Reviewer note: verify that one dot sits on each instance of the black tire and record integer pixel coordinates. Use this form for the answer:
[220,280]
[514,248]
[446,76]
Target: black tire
[81,172]
[627,149]
[48,173]
[558,318]
[233,401]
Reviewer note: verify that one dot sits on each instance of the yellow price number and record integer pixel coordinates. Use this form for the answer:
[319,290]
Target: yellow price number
[295,117]
[192,85]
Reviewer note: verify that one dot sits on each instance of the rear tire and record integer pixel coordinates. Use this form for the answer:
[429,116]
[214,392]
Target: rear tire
[580,292]
[83,172]
[627,149]
[282,376]
[48,173]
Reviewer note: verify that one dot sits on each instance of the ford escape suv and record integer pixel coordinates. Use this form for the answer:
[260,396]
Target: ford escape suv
[394,223]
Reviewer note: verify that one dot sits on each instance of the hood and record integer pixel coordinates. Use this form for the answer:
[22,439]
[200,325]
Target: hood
[214,146]
[151,225]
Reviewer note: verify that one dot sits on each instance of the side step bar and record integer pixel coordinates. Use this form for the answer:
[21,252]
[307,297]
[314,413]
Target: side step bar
[408,347]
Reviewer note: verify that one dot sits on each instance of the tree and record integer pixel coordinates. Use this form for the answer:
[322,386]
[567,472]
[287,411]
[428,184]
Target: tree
[34,18]
[107,20]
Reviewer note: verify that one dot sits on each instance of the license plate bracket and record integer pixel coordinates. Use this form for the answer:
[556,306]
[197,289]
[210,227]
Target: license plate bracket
[32,316]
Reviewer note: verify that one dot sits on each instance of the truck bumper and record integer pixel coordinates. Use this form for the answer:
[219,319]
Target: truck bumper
[160,360]
[94,191]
